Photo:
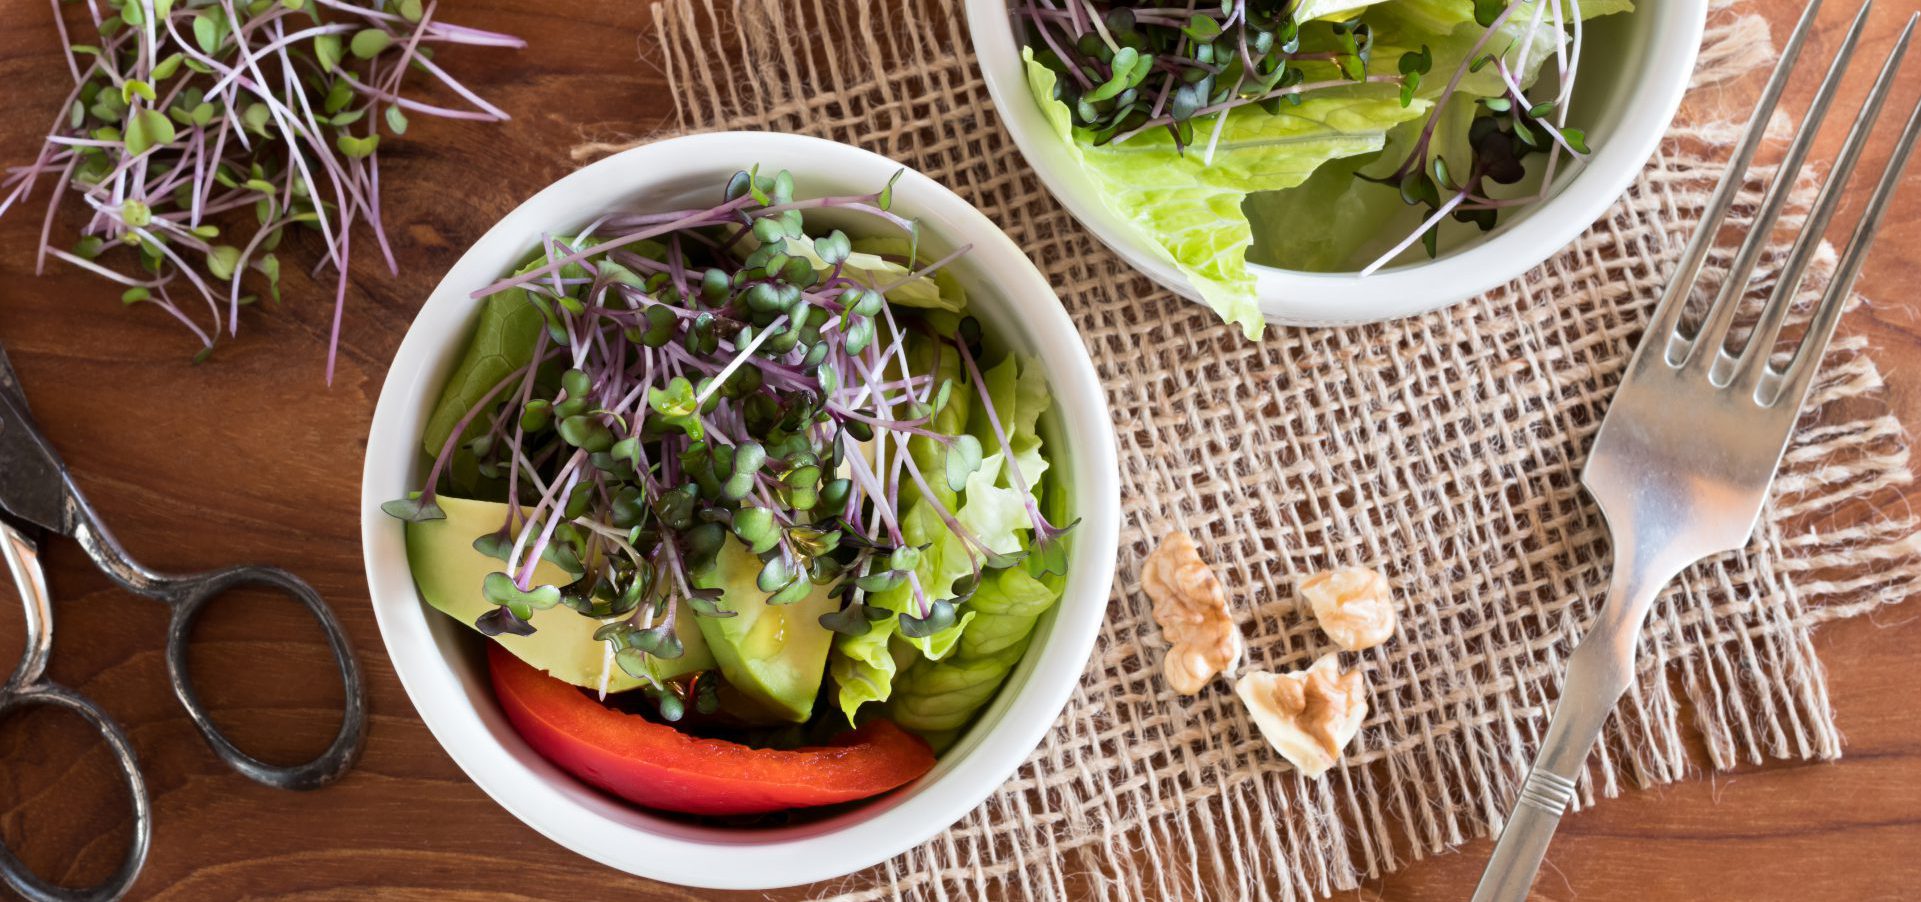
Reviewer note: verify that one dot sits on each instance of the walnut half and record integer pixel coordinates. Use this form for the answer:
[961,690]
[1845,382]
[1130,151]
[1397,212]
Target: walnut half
[1307,715]
[1354,606]
[1191,608]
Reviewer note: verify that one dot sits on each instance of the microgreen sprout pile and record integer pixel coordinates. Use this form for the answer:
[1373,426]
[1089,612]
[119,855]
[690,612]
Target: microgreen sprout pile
[668,383]
[1134,67]
[198,132]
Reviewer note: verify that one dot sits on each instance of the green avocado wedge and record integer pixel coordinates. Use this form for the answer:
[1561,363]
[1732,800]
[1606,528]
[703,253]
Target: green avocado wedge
[775,655]
[448,572]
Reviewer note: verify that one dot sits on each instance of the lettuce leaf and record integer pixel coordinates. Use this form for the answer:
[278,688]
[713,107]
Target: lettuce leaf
[1441,17]
[989,507]
[1189,206]
[937,698]
[503,341]
[1020,396]
[862,668]
[870,264]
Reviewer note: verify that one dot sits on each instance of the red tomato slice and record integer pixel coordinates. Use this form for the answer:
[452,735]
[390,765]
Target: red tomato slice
[660,767]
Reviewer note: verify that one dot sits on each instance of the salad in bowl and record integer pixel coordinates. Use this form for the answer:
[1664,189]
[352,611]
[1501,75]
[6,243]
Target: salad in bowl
[740,512]
[1335,161]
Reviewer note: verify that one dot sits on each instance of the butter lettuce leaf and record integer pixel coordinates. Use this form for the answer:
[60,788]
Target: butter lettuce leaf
[862,668]
[989,506]
[1188,204]
[937,698]
[1018,389]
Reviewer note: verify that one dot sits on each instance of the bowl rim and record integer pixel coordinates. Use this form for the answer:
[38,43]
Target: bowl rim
[625,837]
[1296,298]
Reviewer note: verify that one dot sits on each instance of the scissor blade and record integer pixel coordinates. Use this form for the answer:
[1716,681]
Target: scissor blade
[10,383]
[33,479]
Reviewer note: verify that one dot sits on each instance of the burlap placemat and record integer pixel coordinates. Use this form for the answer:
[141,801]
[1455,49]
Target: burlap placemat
[1444,450]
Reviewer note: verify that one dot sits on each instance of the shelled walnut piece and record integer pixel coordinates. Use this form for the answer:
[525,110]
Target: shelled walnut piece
[1354,606]
[1191,608]
[1310,715]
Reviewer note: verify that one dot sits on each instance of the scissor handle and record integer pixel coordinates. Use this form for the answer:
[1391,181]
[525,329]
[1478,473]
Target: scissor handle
[188,595]
[14,871]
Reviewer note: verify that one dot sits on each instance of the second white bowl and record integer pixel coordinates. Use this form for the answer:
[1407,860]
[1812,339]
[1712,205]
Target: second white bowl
[1628,96]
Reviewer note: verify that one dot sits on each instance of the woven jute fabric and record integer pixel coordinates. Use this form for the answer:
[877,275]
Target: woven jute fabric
[1443,450]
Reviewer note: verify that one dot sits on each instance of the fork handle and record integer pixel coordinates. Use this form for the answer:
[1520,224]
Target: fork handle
[1599,671]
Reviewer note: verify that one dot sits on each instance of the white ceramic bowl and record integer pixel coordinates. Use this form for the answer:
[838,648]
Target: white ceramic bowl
[1636,67]
[441,662]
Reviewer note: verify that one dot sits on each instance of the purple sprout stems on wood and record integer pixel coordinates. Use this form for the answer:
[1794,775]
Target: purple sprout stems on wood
[180,117]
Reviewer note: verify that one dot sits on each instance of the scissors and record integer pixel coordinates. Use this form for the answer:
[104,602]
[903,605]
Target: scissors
[38,497]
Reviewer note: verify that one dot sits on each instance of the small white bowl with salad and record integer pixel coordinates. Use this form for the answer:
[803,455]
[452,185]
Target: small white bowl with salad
[1329,162]
[740,510]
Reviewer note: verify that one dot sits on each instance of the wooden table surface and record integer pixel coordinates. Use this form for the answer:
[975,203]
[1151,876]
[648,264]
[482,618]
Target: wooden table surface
[252,458]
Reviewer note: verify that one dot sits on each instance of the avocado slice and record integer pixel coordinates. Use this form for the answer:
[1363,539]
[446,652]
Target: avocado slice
[775,655]
[448,572]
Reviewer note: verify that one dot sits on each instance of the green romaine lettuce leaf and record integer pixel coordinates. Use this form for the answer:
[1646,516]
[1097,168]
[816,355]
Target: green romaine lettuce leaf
[1189,205]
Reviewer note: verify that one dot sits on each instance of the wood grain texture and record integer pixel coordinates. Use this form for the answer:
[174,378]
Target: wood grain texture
[251,458]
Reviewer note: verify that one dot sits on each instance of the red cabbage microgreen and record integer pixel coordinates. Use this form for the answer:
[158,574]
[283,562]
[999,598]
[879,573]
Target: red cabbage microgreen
[722,374]
[1505,130]
[188,111]
[1130,68]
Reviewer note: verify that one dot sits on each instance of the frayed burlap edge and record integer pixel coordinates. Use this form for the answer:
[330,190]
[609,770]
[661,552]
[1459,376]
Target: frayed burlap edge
[1138,794]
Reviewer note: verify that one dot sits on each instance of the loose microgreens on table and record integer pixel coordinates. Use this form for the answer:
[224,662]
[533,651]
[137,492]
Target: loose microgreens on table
[700,376]
[185,111]
[1131,68]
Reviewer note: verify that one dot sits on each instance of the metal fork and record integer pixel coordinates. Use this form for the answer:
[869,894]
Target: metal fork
[1682,463]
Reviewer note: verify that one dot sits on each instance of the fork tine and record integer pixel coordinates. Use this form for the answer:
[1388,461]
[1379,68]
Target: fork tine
[1705,350]
[1668,312]
[1751,367]
[1807,358]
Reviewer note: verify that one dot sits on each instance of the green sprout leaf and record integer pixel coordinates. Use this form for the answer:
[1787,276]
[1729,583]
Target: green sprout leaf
[328,51]
[368,42]
[357,147]
[963,459]
[500,589]
[416,509]
[940,616]
[222,260]
[146,129]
